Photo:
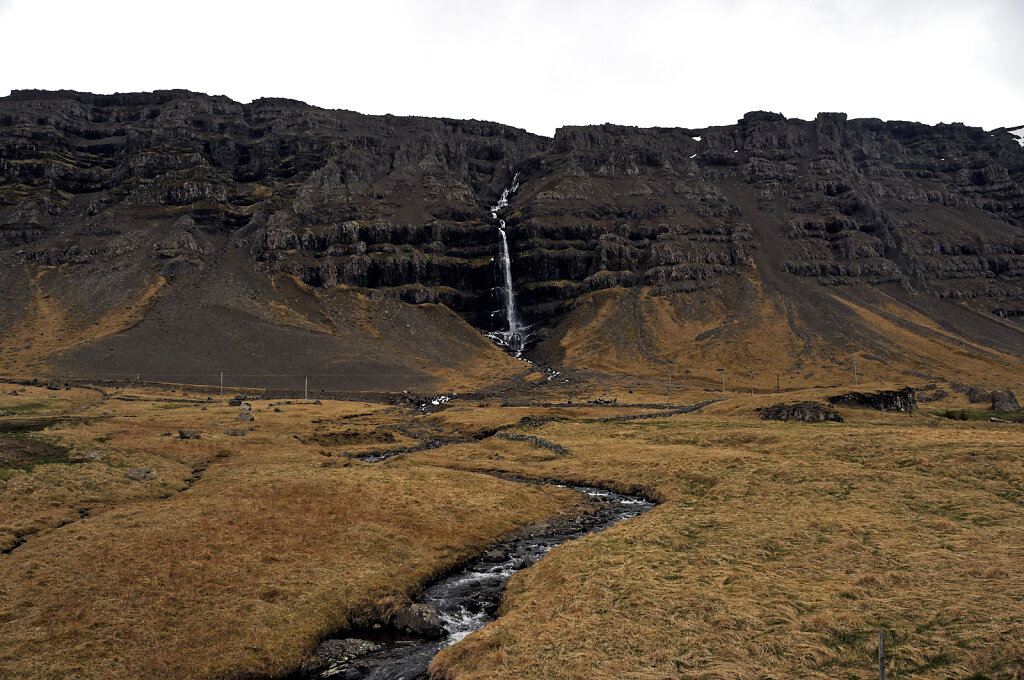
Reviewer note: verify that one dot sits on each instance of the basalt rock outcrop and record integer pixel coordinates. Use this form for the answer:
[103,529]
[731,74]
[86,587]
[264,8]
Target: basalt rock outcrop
[884,400]
[806,411]
[114,191]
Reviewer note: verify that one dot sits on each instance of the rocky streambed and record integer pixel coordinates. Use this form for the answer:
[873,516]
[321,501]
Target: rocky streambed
[464,601]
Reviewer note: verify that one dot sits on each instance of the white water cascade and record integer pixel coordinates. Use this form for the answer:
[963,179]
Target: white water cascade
[517,333]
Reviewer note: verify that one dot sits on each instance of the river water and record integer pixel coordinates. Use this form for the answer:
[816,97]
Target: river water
[467,599]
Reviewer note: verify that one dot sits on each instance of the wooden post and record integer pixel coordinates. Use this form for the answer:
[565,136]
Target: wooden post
[306,390]
[722,371]
[751,373]
[856,378]
[222,388]
[778,383]
[881,655]
[670,383]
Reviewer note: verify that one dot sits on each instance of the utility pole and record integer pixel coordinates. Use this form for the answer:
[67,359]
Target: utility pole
[856,378]
[722,371]
[222,388]
[306,390]
[751,373]
[881,655]
[670,383]
[778,383]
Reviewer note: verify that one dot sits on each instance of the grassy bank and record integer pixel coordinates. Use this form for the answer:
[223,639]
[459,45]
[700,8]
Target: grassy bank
[777,552]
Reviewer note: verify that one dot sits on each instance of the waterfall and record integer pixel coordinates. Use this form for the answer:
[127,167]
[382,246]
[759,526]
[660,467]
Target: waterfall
[517,333]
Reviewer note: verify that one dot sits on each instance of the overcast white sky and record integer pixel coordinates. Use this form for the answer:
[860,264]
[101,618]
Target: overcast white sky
[539,64]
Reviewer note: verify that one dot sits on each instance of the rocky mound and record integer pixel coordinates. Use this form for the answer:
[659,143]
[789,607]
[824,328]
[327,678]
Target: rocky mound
[1004,400]
[885,400]
[806,411]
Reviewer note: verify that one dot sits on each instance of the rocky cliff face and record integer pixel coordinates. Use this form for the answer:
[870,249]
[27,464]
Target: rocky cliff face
[936,210]
[112,190]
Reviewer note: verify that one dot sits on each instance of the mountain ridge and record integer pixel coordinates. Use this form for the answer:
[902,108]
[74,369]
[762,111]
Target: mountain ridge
[135,196]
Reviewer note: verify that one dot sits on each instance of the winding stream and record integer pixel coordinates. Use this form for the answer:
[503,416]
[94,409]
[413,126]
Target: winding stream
[467,599]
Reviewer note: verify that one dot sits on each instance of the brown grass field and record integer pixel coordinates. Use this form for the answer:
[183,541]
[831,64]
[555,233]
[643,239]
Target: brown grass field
[778,551]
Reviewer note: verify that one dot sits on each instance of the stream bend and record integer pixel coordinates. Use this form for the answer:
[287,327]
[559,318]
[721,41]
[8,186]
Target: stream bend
[467,599]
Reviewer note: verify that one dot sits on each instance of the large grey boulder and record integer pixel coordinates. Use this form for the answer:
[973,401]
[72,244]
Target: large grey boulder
[419,619]
[1004,400]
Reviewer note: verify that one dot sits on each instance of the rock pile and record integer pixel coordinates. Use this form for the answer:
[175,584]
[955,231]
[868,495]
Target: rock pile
[903,400]
[806,411]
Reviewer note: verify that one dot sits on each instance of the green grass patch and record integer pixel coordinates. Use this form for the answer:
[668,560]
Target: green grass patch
[18,451]
[23,408]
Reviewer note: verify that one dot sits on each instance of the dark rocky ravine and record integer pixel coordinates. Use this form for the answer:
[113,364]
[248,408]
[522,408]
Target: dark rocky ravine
[466,600]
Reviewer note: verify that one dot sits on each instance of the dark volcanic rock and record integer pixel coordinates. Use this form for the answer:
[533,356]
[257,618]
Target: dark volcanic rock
[1004,400]
[190,434]
[419,619]
[924,397]
[807,411]
[976,395]
[885,400]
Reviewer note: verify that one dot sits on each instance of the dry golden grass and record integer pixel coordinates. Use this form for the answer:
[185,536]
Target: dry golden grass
[690,336]
[778,551]
[244,570]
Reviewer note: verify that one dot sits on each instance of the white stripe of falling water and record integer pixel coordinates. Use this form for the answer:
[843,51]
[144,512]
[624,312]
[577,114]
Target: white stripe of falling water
[506,266]
[514,337]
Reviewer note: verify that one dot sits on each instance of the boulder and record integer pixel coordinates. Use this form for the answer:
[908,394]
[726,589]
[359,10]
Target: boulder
[884,400]
[978,396]
[140,474]
[245,417]
[234,402]
[937,395]
[1004,400]
[237,433]
[806,411]
[245,406]
[190,434]
[419,619]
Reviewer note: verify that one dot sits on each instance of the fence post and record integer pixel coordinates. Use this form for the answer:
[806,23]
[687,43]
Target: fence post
[881,655]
